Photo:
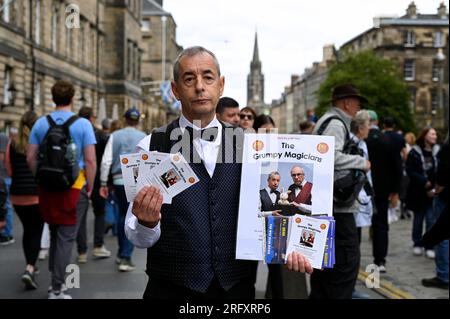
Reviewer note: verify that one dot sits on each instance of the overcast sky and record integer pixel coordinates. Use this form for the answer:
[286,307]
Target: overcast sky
[291,33]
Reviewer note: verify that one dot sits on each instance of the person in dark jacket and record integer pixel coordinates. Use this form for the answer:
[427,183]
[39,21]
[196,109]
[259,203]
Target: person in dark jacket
[98,202]
[438,235]
[421,168]
[24,197]
[386,177]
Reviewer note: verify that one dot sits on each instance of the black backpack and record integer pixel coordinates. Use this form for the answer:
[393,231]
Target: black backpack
[57,168]
[347,183]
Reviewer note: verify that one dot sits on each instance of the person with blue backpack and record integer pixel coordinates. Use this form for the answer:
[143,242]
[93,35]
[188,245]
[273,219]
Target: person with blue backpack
[61,154]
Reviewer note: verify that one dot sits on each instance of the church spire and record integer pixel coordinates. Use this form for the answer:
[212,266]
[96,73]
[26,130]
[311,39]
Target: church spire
[255,50]
[255,81]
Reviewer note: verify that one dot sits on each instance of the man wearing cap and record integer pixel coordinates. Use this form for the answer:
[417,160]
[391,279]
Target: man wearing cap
[120,142]
[386,176]
[339,282]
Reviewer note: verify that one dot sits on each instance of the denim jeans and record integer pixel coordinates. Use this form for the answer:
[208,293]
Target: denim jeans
[125,246]
[8,230]
[440,249]
[112,212]
[426,212]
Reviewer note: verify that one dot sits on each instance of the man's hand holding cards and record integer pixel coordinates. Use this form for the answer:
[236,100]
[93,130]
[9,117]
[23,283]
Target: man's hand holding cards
[170,173]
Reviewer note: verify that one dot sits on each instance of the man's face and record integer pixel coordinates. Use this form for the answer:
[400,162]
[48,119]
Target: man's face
[352,106]
[298,175]
[199,85]
[230,115]
[274,182]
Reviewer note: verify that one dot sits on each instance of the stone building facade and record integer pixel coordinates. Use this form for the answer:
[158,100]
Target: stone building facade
[300,95]
[160,51]
[94,44]
[413,41]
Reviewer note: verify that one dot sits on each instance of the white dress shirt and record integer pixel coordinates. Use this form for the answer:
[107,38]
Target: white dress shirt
[273,196]
[144,237]
[297,190]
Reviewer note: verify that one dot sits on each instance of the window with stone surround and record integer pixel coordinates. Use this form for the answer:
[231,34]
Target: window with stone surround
[145,25]
[54,31]
[68,41]
[37,21]
[6,13]
[438,36]
[81,42]
[38,92]
[409,69]
[410,39]
[6,85]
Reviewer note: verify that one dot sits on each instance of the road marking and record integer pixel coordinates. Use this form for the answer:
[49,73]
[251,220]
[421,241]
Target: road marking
[387,288]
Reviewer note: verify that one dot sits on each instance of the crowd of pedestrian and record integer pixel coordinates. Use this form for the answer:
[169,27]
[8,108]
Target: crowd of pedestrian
[54,167]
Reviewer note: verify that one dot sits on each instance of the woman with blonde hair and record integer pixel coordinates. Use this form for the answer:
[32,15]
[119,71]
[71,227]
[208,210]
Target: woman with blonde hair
[410,140]
[24,197]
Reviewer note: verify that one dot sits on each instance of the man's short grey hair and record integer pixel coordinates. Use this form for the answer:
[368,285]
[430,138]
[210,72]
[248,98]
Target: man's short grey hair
[191,52]
[272,175]
[361,118]
[106,124]
[298,167]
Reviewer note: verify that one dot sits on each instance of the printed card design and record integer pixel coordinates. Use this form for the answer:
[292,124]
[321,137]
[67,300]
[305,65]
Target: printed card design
[276,239]
[130,172]
[172,176]
[308,236]
[148,161]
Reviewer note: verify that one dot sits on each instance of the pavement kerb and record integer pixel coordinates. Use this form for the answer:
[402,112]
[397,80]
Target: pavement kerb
[387,288]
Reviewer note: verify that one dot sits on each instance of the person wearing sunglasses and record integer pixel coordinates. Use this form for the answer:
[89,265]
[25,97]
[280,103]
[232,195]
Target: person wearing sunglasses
[247,118]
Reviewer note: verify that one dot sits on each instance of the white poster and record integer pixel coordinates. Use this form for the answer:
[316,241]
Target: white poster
[302,167]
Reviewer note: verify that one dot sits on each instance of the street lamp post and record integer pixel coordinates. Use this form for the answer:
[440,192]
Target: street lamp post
[440,58]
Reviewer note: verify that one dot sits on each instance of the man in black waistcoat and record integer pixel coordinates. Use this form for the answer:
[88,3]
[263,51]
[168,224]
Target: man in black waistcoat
[270,196]
[191,242]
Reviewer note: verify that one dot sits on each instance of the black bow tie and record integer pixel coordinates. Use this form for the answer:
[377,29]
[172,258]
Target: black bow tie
[272,191]
[208,134]
[298,186]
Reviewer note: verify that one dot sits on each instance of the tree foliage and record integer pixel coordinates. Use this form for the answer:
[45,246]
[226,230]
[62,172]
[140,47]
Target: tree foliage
[378,79]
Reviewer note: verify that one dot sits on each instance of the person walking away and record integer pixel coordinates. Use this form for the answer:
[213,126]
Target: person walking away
[6,234]
[24,197]
[121,142]
[66,148]
[386,177]
[98,202]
